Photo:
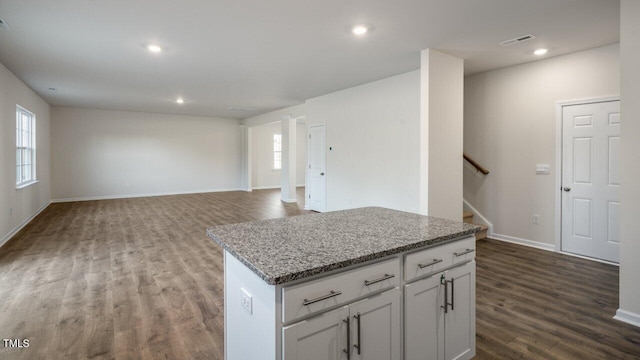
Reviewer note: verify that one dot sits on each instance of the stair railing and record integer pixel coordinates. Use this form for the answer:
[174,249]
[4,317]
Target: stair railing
[473,163]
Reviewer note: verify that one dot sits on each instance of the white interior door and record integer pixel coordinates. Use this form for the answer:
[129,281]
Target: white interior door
[591,179]
[316,191]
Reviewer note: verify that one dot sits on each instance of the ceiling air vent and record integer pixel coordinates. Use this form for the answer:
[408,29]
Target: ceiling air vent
[4,25]
[241,108]
[519,39]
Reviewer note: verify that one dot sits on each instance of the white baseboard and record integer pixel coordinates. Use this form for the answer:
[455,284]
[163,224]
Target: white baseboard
[628,317]
[289,200]
[483,219]
[22,225]
[272,187]
[525,242]
[544,246]
[127,196]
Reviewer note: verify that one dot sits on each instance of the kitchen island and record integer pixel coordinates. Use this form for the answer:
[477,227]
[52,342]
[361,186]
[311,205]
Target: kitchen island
[368,283]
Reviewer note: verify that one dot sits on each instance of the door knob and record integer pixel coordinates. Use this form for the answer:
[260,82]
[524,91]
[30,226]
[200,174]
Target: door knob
[566,188]
[321,174]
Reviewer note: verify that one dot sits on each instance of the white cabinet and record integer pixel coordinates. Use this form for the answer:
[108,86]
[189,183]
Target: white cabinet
[368,330]
[424,319]
[386,309]
[322,337]
[440,315]
[375,327]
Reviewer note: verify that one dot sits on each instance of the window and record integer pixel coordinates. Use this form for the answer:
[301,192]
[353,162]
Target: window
[277,151]
[25,147]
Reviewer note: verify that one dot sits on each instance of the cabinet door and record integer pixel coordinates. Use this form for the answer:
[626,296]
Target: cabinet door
[460,323]
[375,327]
[424,319]
[322,337]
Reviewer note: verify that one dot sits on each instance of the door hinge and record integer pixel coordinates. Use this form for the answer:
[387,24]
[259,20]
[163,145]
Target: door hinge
[309,196]
[309,136]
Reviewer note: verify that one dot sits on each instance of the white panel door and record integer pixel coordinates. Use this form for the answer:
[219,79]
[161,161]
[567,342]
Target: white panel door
[424,319]
[316,193]
[460,318]
[591,179]
[323,337]
[375,327]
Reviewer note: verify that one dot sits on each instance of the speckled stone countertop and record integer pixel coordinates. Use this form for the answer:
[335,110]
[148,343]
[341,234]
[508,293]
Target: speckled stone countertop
[282,250]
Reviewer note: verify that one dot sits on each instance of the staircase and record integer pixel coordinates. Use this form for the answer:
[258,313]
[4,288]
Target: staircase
[467,217]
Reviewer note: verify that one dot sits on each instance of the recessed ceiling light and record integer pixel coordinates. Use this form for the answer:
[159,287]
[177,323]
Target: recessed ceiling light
[359,30]
[180,100]
[154,48]
[540,52]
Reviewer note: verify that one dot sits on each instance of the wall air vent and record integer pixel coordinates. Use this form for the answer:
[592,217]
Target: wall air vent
[4,25]
[517,40]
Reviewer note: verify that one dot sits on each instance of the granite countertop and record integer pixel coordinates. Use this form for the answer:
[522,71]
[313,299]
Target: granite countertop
[286,249]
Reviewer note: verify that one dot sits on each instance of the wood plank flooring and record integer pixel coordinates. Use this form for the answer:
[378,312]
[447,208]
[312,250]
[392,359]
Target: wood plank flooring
[139,279]
[535,304]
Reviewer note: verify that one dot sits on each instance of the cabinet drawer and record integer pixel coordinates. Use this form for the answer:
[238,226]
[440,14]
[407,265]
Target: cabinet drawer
[317,295]
[434,259]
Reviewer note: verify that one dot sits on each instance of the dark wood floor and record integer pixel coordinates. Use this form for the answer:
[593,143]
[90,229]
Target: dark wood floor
[138,279]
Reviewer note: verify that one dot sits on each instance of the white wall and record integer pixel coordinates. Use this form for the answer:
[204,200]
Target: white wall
[263,175]
[510,126]
[630,190]
[373,130]
[106,153]
[18,206]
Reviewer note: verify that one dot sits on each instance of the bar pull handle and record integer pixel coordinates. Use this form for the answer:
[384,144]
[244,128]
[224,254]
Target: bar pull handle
[385,277]
[348,349]
[435,261]
[463,252]
[359,345]
[333,293]
[452,296]
[444,282]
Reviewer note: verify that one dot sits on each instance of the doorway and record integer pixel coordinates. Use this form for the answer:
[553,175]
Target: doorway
[590,179]
[317,163]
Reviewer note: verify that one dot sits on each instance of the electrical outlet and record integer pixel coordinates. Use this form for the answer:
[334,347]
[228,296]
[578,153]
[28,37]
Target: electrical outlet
[246,300]
[536,219]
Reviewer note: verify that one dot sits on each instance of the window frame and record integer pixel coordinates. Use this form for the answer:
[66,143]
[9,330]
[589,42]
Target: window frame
[277,160]
[21,149]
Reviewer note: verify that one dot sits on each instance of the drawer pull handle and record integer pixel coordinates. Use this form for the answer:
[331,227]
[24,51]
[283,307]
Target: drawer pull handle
[463,253]
[323,297]
[385,277]
[435,261]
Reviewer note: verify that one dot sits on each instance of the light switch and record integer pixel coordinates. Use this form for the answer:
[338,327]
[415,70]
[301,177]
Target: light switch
[542,168]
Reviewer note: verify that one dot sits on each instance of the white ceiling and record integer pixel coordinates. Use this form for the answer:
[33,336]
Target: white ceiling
[269,54]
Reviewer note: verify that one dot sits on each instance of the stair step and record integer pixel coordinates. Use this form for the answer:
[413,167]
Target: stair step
[482,234]
[467,217]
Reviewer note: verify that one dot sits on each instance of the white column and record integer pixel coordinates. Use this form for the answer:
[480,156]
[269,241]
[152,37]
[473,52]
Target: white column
[246,158]
[441,125]
[288,173]
[629,310]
